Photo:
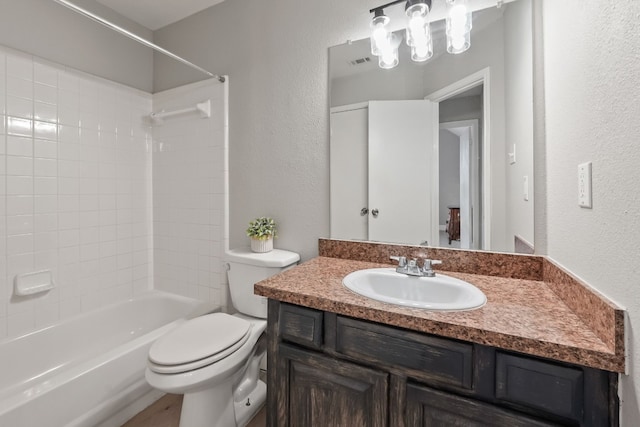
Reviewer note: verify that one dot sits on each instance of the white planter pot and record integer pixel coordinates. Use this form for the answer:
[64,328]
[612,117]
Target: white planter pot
[258,245]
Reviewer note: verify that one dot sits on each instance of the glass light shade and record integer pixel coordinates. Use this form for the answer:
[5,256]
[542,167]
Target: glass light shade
[458,44]
[389,59]
[458,26]
[422,52]
[380,35]
[417,25]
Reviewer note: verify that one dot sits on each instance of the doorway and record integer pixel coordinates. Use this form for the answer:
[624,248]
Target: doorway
[459,185]
[478,214]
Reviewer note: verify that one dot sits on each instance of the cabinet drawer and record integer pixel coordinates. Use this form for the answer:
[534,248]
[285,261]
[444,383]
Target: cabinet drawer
[423,357]
[428,407]
[301,325]
[546,386]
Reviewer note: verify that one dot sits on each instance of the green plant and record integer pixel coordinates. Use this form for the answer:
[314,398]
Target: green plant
[262,228]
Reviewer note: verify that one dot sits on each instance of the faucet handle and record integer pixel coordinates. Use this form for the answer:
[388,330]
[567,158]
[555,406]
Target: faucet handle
[427,267]
[402,261]
[430,262]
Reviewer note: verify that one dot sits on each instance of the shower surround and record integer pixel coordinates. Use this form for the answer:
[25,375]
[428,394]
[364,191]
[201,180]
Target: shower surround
[94,193]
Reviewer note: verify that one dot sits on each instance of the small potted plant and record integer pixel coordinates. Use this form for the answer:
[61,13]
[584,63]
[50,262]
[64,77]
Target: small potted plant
[262,231]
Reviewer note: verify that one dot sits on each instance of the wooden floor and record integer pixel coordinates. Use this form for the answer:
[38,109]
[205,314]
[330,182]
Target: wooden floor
[166,413]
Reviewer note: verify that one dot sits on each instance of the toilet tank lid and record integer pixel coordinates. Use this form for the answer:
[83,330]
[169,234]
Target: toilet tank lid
[274,258]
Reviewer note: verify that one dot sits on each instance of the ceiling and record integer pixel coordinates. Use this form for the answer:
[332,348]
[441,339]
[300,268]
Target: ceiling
[155,14]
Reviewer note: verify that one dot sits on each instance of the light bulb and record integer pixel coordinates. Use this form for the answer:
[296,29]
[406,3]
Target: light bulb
[415,29]
[389,58]
[380,35]
[457,42]
[422,50]
[458,26]
[417,14]
[458,15]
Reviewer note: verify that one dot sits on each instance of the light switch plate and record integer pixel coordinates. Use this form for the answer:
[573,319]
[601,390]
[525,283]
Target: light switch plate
[584,185]
[512,155]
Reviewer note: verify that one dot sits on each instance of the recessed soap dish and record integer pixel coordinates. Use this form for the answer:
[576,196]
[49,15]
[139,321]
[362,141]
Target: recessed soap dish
[33,283]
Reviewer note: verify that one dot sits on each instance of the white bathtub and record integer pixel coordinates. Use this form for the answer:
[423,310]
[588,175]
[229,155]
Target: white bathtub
[87,370]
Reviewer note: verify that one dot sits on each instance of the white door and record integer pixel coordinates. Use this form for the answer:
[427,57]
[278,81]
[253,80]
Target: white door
[348,181]
[401,160]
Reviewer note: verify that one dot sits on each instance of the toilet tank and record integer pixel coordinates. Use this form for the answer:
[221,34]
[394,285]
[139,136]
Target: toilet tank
[245,268]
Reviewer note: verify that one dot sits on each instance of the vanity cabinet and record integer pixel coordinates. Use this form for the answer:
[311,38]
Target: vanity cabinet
[325,391]
[327,369]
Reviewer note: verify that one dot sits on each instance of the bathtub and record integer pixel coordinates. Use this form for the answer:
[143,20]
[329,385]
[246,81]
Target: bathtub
[88,370]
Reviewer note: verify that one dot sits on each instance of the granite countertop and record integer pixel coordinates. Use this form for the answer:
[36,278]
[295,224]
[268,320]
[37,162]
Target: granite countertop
[521,315]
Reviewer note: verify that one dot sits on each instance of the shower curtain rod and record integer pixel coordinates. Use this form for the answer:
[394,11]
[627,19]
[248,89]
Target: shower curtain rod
[135,37]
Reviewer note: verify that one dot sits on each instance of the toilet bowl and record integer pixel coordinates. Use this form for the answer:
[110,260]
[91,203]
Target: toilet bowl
[214,360]
[206,359]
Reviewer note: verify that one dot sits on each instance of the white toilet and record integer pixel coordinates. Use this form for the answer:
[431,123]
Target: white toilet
[214,360]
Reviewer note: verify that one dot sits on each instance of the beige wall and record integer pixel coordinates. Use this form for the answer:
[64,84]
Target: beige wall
[276,56]
[592,72]
[53,32]
[518,63]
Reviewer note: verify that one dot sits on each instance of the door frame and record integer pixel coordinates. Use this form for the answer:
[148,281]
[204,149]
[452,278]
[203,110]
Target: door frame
[482,77]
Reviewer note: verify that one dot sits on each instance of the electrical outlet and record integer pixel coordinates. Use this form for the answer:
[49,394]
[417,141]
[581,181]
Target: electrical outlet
[584,185]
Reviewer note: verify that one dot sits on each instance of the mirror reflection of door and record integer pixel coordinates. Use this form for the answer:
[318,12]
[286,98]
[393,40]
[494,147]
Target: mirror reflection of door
[393,184]
[400,146]
[349,172]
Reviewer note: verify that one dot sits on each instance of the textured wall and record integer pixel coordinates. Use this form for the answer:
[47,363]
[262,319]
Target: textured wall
[276,55]
[592,77]
[53,32]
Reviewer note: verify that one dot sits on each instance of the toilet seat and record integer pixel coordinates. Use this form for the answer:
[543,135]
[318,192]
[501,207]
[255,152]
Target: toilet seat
[198,342]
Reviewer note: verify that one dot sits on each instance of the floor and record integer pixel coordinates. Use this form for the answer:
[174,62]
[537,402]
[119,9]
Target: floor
[166,413]
[444,241]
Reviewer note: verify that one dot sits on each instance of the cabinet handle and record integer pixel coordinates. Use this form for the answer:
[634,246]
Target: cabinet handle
[364,211]
[375,212]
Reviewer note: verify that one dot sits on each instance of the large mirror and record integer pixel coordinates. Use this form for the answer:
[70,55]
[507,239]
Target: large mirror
[438,153]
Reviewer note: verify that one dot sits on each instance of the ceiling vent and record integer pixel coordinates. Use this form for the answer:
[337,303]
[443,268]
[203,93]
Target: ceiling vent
[360,61]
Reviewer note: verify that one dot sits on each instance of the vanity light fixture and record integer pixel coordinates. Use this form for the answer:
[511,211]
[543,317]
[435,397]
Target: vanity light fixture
[385,43]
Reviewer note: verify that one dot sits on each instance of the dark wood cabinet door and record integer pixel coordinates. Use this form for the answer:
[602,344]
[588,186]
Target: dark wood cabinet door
[427,407]
[326,392]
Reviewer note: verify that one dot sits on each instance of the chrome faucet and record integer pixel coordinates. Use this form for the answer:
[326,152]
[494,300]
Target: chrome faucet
[402,264]
[427,267]
[411,268]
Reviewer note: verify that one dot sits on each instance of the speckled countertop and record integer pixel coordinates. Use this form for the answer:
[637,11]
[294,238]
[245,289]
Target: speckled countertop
[522,315]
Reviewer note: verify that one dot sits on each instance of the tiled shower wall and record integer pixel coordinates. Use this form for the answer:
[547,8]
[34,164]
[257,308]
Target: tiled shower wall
[75,190]
[190,194]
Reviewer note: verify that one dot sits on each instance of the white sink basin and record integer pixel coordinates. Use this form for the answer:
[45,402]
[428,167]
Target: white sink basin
[441,293]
